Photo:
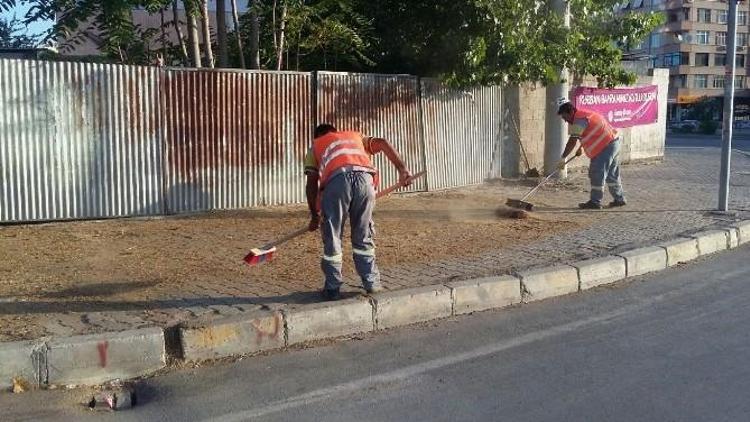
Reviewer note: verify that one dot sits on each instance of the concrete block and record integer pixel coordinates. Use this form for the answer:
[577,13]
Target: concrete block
[734,237]
[485,293]
[22,359]
[598,271]
[711,241]
[547,282]
[645,260]
[408,306]
[680,250]
[743,231]
[236,335]
[326,320]
[97,358]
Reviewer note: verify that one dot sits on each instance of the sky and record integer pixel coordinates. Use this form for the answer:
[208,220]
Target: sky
[20,12]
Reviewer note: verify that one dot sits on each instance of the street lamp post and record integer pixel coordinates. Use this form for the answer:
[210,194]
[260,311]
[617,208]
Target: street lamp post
[726,133]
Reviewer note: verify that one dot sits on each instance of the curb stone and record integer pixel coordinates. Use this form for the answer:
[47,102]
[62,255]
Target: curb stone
[597,271]
[711,241]
[485,293]
[98,358]
[680,250]
[326,320]
[644,260]
[236,335]
[409,306]
[546,282]
[24,360]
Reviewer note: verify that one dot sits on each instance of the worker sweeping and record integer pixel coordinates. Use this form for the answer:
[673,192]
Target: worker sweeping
[601,143]
[341,183]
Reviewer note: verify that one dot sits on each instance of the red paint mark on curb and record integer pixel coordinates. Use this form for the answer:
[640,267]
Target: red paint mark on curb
[103,353]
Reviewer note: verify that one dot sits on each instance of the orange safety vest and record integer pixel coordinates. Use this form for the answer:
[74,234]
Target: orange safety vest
[598,133]
[336,150]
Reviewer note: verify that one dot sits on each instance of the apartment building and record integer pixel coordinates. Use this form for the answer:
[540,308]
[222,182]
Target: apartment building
[692,44]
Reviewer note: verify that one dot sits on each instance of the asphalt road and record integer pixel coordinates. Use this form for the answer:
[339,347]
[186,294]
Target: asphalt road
[669,347]
[740,140]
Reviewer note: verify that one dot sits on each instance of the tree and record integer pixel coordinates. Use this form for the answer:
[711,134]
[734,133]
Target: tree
[13,34]
[524,40]
[236,22]
[221,33]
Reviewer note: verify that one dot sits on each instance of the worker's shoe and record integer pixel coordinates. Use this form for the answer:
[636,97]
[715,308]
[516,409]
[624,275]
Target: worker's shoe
[373,289]
[617,203]
[330,295]
[590,205]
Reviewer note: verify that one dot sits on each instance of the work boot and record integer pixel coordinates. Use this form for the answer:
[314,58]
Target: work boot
[617,203]
[373,289]
[590,205]
[330,295]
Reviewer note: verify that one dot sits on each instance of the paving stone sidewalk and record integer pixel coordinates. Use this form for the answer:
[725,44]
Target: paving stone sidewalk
[666,199]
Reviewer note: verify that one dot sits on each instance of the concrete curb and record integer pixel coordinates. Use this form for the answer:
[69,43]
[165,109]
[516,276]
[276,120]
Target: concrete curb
[409,306]
[237,335]
[129,354]
[485,293]
[97,358]
[546,282]
[598,271]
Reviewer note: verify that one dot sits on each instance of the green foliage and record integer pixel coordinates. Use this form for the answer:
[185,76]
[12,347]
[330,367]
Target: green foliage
[526,40]
[708,127]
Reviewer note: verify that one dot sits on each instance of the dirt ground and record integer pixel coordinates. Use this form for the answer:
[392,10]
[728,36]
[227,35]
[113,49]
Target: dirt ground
[193,256]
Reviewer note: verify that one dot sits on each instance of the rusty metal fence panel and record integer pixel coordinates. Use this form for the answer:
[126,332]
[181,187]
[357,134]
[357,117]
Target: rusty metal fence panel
[462,134]
[78,141]
[235,139]
[386,106]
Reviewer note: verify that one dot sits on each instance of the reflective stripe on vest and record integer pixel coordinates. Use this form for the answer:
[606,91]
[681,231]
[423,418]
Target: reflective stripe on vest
[336,150]
[597,135]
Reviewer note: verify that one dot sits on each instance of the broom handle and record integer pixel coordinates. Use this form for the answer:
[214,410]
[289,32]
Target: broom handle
[380,194]
[545,180]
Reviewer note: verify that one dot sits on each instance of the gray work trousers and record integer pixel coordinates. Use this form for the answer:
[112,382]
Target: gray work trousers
[605,168]
[349,194]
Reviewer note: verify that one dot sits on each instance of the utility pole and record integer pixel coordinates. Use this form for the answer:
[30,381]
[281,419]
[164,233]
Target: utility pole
[555,127]
[726,133]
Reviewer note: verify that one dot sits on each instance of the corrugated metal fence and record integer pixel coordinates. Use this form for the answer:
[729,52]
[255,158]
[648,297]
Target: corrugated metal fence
[94,141]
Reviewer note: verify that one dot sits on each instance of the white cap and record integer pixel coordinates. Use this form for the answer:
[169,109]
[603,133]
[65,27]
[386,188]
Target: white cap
[561,101]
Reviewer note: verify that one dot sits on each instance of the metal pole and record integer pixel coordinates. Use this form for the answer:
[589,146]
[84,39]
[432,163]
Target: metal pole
[726,133]
[555,128]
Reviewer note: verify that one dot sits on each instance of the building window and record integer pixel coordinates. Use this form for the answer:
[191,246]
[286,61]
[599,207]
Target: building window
[655,40]
[653,62]
[739,82]
[718,81]
[742,18]
[721,38]
[704,15]
[686,13]
[672,59]
[673,17]
[739,60]
[720,60]
[678,81]
[701,37]
[741,39]
[700,81]
[701,59]
[721,17]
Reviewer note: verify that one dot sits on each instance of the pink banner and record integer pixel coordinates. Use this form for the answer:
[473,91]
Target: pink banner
[622,107]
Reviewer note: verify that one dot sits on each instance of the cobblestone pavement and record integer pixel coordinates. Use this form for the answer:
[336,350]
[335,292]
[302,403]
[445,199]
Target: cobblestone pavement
[665,199]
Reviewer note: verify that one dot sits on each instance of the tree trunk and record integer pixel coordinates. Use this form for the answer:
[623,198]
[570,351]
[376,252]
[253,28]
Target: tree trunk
[254,35]
[236,19]
[178,31]
[207,36]
[221,33]
[193,37]
[282,30]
